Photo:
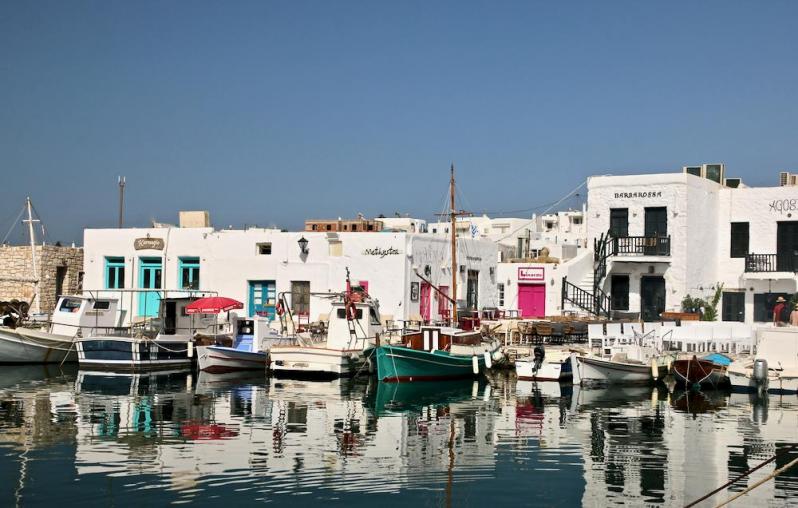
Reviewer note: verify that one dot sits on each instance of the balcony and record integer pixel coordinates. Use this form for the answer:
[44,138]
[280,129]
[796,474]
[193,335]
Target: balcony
[770,263]
[641,246]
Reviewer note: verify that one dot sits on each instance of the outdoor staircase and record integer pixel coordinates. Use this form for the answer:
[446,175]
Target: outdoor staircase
[587,295]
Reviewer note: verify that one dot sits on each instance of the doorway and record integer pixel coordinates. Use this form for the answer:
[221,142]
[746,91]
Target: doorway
[426,293]
[150,275]
[262,298]
[170,317]
[532,300]
[787,246]
[652,298]
[733,306]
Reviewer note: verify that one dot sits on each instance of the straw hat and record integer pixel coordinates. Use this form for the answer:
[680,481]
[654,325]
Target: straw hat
[780,299]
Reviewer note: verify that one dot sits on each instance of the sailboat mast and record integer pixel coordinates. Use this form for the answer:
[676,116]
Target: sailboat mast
[32,235]
[453,216]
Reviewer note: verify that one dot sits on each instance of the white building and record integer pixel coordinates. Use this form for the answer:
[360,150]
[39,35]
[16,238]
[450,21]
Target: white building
[255,265]
[678,234]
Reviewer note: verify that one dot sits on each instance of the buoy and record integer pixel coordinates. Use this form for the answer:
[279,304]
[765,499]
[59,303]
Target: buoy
[475,364]
[475,389]
[488,362]
[191,349]
[654,369]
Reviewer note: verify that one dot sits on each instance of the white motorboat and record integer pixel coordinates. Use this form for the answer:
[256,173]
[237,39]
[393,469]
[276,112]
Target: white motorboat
[621,360]
[74,316]
[351,336]
[774,368]
[552,364]
[248,351]
[166,342]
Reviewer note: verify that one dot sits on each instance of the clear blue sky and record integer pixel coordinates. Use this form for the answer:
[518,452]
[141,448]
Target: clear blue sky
[270,113]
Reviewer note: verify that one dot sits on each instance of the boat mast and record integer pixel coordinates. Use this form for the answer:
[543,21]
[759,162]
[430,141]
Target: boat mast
[453,217]
[32,235]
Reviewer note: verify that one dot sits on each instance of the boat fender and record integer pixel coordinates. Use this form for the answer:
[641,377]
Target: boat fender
[488,361]
[475,364]
[190,349]
[497,356]
[760,373]
[654,369]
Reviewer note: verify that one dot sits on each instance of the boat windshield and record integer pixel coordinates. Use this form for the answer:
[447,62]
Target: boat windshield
[70,305]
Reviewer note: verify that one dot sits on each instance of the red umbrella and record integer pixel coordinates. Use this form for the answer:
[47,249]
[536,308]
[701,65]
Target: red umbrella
[213,305]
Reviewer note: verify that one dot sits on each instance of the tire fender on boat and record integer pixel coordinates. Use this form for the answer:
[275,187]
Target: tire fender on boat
[475,364]
[488,360]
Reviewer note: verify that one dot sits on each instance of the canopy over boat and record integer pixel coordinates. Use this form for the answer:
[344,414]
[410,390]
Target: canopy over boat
[213,305]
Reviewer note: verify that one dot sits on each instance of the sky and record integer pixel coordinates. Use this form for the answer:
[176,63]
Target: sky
[271,113]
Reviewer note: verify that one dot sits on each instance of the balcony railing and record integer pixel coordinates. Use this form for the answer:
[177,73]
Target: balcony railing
[763,263]
[641,246]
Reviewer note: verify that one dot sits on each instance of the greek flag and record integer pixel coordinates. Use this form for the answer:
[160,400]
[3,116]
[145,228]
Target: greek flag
[474,231]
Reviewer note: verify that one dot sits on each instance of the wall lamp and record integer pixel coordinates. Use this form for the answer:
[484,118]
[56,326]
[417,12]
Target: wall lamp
[303,245]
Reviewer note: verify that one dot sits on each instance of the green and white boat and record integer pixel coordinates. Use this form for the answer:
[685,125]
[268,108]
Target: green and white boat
[435,353]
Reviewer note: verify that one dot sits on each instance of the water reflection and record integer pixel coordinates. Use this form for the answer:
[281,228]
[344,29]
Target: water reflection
[216,439]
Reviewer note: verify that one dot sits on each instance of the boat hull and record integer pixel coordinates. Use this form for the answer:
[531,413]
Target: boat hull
[695,371]
[600,371]
[127,353]
[308,361]
[31,346]
[226,359]
[548,371]
[398,364]
[743,381]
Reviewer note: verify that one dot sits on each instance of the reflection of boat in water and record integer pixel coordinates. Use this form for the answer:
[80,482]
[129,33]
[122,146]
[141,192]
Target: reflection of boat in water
[697,402]
[210,382]
[16,375]
[399,397]
[615,396]
[550,389]
[132,383]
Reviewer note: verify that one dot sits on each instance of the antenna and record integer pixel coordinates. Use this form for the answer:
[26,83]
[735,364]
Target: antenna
[121,201]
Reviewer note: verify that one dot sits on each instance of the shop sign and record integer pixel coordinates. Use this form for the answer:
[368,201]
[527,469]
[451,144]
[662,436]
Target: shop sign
[643,194]
[381,253]
[531,274]
[783,206]
[148,244]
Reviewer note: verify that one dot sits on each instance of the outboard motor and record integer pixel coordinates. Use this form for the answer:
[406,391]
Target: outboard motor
[760,373]
[539,355]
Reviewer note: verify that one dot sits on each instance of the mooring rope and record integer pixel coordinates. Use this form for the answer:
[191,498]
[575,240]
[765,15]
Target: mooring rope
[744,475]
[760,482]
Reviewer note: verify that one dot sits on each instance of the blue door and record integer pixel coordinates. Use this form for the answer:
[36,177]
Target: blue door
[262,298]
[150,270]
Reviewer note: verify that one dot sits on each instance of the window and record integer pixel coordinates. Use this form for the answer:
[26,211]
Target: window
[114,273]
[472,289]
[265,248]
[619,222]
[764,303]
[733,306]
[739,239]
[500,287]
[102,305]
[549,225]
[300,297]
[189,270]
[576,220]
[714,172]
[342,314]
[434,230]
[70,305]
[375,320]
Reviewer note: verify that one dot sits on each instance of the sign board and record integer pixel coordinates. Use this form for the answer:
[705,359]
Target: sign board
[148,244]
[381,253]
[531,274]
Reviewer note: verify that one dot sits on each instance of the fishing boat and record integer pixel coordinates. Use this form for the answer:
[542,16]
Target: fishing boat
[351,336]
[774,367]
[553,364]
[438,352]
[621,360]
[74,316]
[166,342]
[707,371]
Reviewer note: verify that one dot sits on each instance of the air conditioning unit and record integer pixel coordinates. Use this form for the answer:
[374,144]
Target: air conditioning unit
[693,170]
[733,182]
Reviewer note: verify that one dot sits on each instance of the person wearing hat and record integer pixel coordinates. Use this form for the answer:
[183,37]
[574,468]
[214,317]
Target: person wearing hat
[778,311]
[794,316]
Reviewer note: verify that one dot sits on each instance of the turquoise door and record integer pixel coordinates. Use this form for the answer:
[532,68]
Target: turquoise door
[262,298]
[150,270]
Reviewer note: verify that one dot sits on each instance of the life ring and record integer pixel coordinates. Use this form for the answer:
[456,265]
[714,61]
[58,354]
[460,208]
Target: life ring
[280,309]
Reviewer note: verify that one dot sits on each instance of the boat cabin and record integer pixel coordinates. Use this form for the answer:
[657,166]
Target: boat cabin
[342,333]
[173,320]
[440,338]
[86,315]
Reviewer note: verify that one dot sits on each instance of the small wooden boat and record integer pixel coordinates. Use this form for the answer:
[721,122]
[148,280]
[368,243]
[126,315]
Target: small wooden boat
[545,365]
[616,370]
[699,372]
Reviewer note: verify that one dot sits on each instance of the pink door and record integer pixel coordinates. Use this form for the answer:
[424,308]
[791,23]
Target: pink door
[532,300]
[426,290]
[444,307]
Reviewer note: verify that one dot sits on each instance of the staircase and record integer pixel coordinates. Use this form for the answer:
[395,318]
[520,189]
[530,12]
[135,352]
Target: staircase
[587,295]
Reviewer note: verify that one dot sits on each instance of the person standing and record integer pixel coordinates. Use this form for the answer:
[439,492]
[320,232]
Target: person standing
[794,316]
[778,311]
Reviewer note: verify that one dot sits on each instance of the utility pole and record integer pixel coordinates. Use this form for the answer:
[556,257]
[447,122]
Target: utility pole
[32,235]
[121,201]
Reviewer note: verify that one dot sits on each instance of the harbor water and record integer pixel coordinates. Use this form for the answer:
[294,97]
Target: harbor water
[75,438]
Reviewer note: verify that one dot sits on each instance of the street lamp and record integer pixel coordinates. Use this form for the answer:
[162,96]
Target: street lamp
[303,245]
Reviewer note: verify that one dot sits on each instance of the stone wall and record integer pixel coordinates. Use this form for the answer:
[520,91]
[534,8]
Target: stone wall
[17,280]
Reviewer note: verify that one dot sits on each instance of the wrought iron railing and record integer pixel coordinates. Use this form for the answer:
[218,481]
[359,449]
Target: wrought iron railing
[763,263]
[641,246]
[597,303]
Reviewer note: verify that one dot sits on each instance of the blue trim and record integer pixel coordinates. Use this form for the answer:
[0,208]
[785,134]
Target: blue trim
[266,293]
[114,263]
[149,302]
[192,264]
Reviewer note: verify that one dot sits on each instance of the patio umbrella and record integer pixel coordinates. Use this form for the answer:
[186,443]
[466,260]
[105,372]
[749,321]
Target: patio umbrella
[213,305]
